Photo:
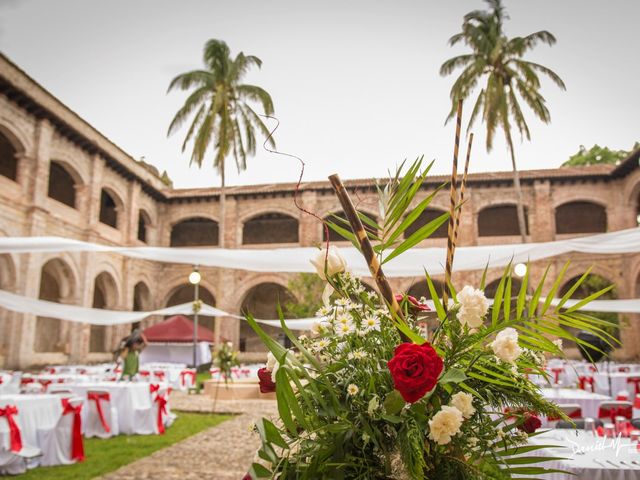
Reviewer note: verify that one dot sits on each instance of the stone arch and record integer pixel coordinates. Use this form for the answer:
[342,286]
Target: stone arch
[581,216]
[336,237]
[57,284]
[105,296]
[500,220]
[63,183]
[141,297]
[195,232]
[185,293]
[8,158]
[491,288]
[8,281]
[427,215]
[421,289]
[110,207]
[144,224]
[270,227]
[261,301]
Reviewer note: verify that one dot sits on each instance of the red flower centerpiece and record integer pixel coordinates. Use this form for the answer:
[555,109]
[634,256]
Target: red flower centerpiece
[531,423]
[267,385]
[415,370]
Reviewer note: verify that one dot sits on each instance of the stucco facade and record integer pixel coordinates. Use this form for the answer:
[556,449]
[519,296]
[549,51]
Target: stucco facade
[60,177]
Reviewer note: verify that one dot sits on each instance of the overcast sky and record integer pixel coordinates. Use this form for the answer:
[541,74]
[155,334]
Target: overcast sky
[355,84]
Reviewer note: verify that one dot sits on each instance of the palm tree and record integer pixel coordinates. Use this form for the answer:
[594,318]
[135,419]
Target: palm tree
[508,79]
[224,119]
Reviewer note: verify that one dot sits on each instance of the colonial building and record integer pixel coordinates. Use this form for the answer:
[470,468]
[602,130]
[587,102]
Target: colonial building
[61,177]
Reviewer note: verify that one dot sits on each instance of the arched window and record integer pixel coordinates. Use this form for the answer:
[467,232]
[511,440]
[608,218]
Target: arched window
[186,294]
[270,228]
[581,217]
[105,297]
[421,289]
[336,237]
[8,160]
[428,215]
[491,288]
[143,226]
[141,301]
[261,302]
[500,220]
[56,284]
[62,186]
[194,232]
[108,209]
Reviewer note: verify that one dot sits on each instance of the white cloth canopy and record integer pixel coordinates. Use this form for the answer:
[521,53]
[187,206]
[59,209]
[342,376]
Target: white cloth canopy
[412,263]
[96,316]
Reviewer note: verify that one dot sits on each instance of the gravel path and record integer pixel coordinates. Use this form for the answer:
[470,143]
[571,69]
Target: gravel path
[223,452]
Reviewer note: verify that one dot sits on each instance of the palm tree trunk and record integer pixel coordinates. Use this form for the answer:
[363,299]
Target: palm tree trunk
[516,186]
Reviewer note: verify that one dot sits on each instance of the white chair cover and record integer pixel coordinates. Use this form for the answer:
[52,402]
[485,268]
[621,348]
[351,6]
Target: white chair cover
[94,427]
[57,443]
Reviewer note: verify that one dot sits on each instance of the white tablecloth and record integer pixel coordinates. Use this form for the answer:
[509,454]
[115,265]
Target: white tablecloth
[589,402]
[582,451]
[125,396]
[34,412]
[175,353]
[618,383]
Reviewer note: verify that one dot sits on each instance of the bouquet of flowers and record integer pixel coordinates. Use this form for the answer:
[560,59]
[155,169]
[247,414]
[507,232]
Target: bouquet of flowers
[370,394]
[225,359]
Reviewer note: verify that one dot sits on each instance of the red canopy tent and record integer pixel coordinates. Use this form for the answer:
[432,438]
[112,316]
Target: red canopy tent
[171,341]
[176,329]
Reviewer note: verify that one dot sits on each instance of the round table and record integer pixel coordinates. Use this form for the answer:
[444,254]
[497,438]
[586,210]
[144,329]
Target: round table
[127,397]
[588,401]
[618,383]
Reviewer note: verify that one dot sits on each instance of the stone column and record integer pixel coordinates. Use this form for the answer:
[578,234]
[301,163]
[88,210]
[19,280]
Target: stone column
[308,229]
[542,215]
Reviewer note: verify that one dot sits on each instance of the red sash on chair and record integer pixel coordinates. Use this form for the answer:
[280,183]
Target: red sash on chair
[556,374]
[184,373]
[45,384]
[624,369]
[636,402]
[614,412]
[14,431]
[26,381]
[636,381]
[159,375]
[96,397]
[144,373]
[162,410]
[77,444]
[584,381]
[153,388]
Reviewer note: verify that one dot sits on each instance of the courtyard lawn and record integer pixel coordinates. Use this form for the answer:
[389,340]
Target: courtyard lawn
[103,456]
[201,377]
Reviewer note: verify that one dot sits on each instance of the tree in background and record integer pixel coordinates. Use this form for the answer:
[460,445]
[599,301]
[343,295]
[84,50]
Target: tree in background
[508,80]
[307,289]
[598,155]
[223,118]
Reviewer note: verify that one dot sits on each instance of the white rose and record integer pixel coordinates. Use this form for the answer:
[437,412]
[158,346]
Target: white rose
[271,361]
[505,346]
[558,343]
[445,424]
[463,402]
[473,306]
[334,262]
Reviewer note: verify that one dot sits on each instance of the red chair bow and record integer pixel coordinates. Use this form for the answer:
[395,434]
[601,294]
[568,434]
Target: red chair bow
[14,431]
[159,374]
[82,371]
[556,374]
[624,369]
[1,380]
[77,444]
[52,371]
[613,412]
[153,388]
[144,373]
[584,381]
[161,400]
[26,381]
[45,383]
[636,382]
[190,373]
[97,397]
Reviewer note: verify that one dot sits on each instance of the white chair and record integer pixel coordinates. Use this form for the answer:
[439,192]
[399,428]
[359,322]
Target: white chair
[13,462]
[153,420]
[187,379]
[12,385]
[102,415]
[63,444]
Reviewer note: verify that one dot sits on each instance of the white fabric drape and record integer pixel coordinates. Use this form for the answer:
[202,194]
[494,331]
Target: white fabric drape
[95,316]
[411,263]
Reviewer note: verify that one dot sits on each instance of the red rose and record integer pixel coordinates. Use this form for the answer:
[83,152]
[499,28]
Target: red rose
[266,384]
[415,370]
[531,423]
[247,477]
[415,305]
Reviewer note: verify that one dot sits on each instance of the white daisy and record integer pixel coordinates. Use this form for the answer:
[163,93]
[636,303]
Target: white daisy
[371,322]
[343,319]
[342,302]
[344,329]
[324,311]
[322,344]
[352,389]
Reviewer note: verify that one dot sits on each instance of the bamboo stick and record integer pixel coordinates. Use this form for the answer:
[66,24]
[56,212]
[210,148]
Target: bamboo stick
[463,189]
[367,249]
[453,197]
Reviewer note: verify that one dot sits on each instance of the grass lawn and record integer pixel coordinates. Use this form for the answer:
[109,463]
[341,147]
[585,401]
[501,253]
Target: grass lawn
[201,377]
[103,456]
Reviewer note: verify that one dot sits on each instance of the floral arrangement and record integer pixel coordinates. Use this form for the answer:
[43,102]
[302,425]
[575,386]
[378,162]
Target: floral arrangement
[369,394]
[225,359]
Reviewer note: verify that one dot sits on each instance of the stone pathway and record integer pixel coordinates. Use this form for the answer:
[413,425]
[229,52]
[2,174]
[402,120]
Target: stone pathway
[223,452]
